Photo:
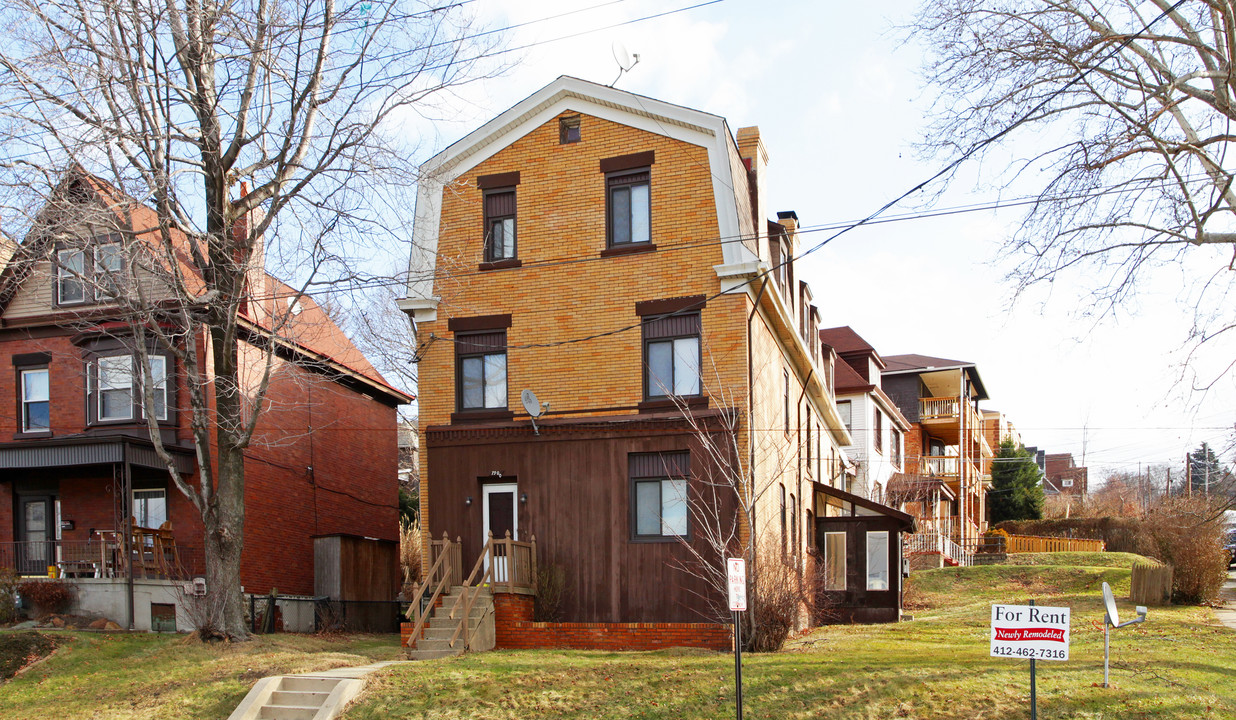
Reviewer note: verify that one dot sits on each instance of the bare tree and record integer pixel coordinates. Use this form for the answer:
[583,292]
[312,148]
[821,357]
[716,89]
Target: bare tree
[1119,114]
[219,138]
[734,481]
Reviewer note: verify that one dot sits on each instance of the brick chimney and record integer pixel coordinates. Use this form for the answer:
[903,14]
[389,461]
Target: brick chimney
[755,157]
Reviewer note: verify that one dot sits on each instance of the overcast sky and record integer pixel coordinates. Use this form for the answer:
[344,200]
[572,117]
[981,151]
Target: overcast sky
[839,103]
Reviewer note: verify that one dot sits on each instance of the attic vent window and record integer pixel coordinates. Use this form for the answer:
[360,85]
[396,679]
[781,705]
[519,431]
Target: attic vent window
[568,130]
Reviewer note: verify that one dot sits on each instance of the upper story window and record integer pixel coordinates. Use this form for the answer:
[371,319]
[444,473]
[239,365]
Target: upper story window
[500,225]
[628,199]
[877,432]
[35,400]
[672,356]
[844,410]
[568,130]
[481,365]
[786,399]
[86,275]
[629,220]
[70,276]
[895,446]
[119,388]
[659,509]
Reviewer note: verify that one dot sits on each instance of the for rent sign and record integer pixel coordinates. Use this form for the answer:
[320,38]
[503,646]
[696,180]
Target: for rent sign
[1030,632]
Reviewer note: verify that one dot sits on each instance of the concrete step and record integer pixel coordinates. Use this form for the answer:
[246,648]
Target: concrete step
[433,654]
[297,698]
[303,683]
[283,712]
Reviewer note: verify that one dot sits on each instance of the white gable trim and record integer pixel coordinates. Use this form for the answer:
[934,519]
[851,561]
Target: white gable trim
[567,94]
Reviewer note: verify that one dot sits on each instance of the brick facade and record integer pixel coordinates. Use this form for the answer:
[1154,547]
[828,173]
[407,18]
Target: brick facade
[567,283]
[515,630]
[323,461]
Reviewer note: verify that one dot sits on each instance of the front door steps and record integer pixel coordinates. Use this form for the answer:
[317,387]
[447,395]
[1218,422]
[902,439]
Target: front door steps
[435,639]
[313,696]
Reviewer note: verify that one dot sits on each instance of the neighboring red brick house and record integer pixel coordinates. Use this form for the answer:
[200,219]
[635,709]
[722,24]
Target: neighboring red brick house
[1064,476]
[76,459]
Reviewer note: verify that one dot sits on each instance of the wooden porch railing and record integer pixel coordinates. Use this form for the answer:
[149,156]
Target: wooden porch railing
[938,408]
[503,564]
[444,572]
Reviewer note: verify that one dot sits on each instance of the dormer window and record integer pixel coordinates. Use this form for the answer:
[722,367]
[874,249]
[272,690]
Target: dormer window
[70,276]
[89,274]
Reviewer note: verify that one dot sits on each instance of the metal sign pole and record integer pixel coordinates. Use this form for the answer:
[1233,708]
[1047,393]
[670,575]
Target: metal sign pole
[1107,624]
[1034,697]
[737,666]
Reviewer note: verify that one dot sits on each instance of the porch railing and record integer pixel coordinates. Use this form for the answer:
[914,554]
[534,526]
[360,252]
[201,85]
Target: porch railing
[101,559]
[504,564]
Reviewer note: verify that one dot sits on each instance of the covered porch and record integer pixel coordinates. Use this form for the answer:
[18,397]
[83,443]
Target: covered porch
[858,545]
[94,508]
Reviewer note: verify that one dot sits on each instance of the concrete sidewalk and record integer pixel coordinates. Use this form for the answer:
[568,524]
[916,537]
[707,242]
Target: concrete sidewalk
[1227,614]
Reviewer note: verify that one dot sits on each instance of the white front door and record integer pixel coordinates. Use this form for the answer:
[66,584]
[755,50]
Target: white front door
[498,503]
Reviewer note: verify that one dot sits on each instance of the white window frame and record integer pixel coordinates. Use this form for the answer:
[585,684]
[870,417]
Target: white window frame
[102,387]
[65,275]
[26,400]
[142,498]
[877,563]
[160,387]
[828,585]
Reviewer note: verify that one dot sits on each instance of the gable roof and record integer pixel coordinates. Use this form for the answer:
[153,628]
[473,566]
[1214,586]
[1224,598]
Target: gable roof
[573,94]
[911,363]
[845,340]
[310,330]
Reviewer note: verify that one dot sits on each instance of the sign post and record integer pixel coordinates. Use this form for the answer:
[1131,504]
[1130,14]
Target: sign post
[736,579]
[1030,632]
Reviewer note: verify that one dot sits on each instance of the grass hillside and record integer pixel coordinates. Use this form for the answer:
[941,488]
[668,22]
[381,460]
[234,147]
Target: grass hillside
[126,677]
[1179,665]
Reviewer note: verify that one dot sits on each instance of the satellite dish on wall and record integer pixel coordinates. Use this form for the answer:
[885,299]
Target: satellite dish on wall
[1109,602]
[534,406]
[625,60]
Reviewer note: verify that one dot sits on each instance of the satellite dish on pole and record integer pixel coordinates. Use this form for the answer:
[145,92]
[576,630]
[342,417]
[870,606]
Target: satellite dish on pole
[625,60]
[1109,603]
[534,406]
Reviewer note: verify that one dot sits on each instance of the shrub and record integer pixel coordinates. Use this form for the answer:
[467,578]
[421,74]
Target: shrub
[777,602]
[1187,533]
[550,594]
[8,596]
[49,597]
[410,544]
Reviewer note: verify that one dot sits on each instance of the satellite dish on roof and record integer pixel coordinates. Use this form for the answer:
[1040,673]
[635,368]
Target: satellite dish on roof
[1109,602]
[625,60]
[534,406]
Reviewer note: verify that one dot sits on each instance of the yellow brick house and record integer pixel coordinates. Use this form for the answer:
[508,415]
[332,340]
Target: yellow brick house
[612,254]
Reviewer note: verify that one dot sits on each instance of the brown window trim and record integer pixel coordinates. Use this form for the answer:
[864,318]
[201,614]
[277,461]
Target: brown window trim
[476,416]
[479,322]
[628,249]
[693,402]
[27,359]
[632,515]
[500,264]
[628,162]
[497,180]
[665,306]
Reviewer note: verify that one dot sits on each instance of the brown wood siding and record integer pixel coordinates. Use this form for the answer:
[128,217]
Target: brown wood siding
[578,488]
[856,603]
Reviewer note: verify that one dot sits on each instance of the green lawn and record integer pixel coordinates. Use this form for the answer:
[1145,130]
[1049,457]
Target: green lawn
[1179,665]
[125,677]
